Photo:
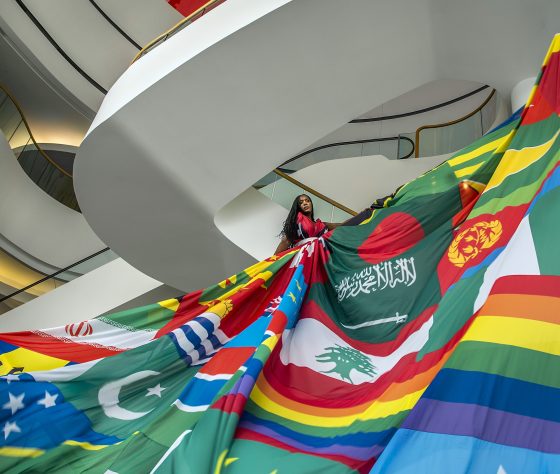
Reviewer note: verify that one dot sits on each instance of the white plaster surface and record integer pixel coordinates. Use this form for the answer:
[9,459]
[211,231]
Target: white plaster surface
[86,297]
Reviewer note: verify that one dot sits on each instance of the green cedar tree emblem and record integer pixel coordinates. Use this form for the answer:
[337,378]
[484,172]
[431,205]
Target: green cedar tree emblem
[346,359]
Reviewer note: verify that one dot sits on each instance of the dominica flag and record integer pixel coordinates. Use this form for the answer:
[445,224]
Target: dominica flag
[423,339]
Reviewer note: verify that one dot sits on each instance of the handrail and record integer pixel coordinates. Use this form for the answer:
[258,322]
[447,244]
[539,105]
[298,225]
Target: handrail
[114,25]
[421,111]
[39,149]
[48,277]
[453,122]
[314,192]
[174,28]
[354,142]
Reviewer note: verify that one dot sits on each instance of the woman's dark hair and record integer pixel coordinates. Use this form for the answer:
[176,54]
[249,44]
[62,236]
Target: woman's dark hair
[290,228]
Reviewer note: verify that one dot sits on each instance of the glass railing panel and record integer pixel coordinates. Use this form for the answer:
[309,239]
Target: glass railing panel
[46,173]
[442,140]
[10,119]
[449,137]
[339,215]
[283,192]
[371,148]
[210,5]
[393,149]
[16,276]
[321,209]
[389,149]
[268,191]
[270,178]
[3,99]
[342,151]
[436,140]
[19,150]
[47,176]
[19,138]
[326,154]
[89,265]
[9,304]
[405,146]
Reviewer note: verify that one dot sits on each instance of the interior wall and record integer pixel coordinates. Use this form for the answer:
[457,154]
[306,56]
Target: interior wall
[86,297]
[37,223]
[252,222]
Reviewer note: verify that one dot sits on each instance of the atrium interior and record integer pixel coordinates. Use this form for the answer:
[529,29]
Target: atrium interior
[151,148]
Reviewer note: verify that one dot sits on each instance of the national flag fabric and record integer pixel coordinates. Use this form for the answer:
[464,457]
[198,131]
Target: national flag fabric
[424,339]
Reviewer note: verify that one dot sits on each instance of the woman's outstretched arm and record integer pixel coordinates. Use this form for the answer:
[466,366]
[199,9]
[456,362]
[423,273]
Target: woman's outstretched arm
[283,245]
[332,225]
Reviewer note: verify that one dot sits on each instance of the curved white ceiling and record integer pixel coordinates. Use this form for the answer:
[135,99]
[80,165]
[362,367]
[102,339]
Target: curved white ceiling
[203,116]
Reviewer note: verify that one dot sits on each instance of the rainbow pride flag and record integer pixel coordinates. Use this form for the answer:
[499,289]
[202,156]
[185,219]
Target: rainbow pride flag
[425,339]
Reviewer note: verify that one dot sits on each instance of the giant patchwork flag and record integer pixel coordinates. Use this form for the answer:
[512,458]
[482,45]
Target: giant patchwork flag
[425,339]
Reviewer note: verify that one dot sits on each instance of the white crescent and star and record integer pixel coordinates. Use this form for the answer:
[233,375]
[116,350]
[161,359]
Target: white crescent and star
[108,396]
[155,391]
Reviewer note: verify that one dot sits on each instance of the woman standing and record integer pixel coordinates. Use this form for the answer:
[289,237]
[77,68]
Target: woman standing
[301,224]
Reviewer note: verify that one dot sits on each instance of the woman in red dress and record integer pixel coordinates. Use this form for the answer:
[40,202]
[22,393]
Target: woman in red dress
[301,224]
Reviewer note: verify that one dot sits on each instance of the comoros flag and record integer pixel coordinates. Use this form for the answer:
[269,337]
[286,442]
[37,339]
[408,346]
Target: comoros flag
[422,340]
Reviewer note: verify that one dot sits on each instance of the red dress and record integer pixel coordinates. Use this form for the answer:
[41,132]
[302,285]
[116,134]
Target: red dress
[307,228]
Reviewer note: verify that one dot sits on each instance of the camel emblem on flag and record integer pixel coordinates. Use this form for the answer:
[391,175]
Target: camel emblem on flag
[346,359]
[469,243]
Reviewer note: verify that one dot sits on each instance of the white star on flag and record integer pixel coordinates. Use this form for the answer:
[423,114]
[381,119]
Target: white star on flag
[10,427]
[155,391]
[15,403]
[49,400]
